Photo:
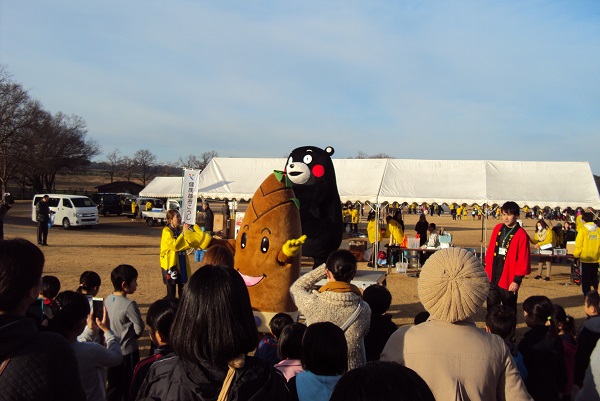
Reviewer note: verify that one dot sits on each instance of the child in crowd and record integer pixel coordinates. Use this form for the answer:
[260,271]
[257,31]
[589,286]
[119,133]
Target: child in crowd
[289,350]
[421,317]
[159,320]
[379,299]
[324,359]
[127,323]
[267,347]
[499,321]
[566,332]
[72,315]
[218,255]
[542,351]
[89,285]
[49,291]
[381,381]
[588,336]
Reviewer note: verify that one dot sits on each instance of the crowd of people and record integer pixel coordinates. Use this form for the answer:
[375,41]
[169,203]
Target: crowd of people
[205,344]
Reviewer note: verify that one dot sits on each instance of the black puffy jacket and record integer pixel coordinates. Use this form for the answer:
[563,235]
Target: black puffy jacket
[42,366]
[174,379]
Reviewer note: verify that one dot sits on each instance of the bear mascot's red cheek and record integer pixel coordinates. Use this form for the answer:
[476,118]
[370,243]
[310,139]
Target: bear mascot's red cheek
[318,171]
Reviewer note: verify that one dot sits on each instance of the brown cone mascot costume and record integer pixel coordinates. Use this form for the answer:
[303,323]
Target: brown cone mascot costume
[267,249]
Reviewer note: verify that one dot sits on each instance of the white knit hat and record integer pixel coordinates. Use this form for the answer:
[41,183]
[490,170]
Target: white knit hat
[452,285]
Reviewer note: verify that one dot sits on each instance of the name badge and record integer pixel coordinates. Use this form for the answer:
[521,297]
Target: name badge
[502,251]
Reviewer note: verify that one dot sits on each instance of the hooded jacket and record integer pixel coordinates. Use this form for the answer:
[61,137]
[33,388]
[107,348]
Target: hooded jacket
[42,366]
[588,336]
[307,386]
[587,243]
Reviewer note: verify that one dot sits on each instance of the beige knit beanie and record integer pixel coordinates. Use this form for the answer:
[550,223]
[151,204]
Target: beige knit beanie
[452,285]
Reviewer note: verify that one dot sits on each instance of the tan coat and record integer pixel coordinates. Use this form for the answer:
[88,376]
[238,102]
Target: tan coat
[334,307]
[458,361]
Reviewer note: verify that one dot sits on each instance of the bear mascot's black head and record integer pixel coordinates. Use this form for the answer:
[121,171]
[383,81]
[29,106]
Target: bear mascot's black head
[310,169]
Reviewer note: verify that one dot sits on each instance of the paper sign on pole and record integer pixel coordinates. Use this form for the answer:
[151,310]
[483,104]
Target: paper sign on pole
[189,195]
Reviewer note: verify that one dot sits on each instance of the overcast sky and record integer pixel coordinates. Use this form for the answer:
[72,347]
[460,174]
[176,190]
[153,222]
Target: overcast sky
[496,80]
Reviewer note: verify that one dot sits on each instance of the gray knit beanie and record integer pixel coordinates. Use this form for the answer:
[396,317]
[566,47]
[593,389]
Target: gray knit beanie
[452,285]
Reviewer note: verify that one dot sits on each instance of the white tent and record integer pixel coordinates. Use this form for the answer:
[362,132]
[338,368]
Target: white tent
[553,184]
[163,187]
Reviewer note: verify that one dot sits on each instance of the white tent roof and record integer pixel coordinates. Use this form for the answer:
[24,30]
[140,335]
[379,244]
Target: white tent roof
[163,187]
[553,184]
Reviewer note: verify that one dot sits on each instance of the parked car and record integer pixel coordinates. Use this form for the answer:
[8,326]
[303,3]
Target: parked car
[158,214]
[108,203]
[69,210]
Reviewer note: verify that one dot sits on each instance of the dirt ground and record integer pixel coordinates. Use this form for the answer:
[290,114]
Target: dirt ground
[118,240]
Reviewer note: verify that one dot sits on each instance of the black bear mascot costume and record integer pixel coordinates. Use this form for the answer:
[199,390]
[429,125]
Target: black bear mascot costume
[310,169]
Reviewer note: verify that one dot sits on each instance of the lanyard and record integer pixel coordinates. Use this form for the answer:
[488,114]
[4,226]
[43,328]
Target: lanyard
[507,236]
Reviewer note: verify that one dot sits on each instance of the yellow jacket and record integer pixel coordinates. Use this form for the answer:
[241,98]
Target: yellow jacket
[354,216]
[371,231]
[548,240]
[169,246]
[587,243]
[395,232]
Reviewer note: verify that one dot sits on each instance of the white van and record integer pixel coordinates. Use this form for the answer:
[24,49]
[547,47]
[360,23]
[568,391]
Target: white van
[69,210]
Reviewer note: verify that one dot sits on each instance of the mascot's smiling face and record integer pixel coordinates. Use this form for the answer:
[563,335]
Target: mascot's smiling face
[305,166]
[272,218]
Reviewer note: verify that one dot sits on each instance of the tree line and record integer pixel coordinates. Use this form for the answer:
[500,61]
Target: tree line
[36,145]
[142,165]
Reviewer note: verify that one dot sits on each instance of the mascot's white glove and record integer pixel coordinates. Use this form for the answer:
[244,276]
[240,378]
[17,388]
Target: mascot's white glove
[292,247]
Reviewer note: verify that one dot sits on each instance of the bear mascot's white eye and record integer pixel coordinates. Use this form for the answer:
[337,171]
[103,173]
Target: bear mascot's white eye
[307,159]
[290,160]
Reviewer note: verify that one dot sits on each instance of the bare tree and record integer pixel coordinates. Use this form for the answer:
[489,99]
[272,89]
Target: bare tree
[206,158]
[61,145]
[18,114]
[191,161]
[126,167]
[363,155]
[381,156]
[145,162]
[112,164]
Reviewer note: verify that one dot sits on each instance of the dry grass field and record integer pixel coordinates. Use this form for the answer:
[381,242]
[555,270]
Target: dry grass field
[119,240]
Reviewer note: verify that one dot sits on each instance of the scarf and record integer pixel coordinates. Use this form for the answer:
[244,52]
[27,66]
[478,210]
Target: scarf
[340,286]
[236,363]
[542,234]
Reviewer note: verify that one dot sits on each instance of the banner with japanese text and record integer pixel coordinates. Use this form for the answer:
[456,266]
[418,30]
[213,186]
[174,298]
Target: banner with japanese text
[189,195]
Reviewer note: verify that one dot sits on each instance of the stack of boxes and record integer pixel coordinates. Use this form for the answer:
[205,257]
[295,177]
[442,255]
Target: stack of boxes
[358,248]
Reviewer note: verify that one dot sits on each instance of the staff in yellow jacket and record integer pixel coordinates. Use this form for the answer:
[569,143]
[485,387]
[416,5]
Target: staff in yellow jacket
[373,237]
[587,249]
[543,236]
[355,218]
[174,243]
